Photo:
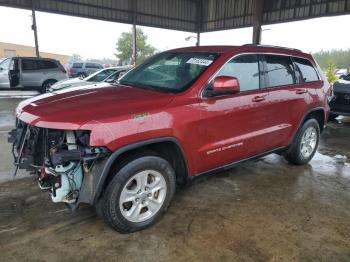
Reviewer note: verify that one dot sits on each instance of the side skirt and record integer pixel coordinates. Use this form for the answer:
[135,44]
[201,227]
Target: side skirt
[237,163]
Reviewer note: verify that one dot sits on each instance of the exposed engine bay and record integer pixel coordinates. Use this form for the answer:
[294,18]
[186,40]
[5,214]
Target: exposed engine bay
[59,158]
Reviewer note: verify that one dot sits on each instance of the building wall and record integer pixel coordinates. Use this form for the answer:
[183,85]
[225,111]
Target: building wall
[9,50]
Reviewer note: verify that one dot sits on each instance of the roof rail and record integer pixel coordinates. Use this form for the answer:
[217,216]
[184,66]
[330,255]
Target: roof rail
[273,46]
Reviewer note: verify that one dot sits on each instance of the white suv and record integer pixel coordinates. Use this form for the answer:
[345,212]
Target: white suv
[30,73]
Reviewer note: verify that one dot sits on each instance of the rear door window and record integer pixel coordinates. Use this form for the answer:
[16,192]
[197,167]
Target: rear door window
[279,70]
[305,70]
[246,69]
[29,64]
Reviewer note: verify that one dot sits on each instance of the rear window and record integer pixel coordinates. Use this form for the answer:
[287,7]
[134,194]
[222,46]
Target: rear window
[45,64]
[305,70]
[93,65]
[29,64]
[77,65]
[279,70]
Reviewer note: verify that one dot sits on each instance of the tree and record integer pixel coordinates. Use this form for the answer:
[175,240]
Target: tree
[103,61]
[125,50]
[330,70]
[340,57]
[75,58]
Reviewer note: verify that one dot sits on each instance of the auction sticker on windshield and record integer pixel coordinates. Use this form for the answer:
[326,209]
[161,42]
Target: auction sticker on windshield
[199,61]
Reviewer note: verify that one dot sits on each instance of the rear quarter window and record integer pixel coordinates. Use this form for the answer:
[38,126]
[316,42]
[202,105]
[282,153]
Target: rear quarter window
[305,70]
[45,64]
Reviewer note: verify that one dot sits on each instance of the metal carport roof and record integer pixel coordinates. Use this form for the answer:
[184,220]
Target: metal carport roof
[188,15]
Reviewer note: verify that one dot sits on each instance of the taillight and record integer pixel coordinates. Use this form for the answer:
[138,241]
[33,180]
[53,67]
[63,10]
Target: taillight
[71,72]
[64,71]
[330,93]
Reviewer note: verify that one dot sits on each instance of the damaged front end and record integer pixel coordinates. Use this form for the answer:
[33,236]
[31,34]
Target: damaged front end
[62,160]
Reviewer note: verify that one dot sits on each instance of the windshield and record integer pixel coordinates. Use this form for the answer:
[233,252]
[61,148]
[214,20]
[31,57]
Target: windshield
[347,78]
[99,76]
[169,72]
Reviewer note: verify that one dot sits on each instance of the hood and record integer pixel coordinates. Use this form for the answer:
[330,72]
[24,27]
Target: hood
[341,86]
[71,108]
[68,83]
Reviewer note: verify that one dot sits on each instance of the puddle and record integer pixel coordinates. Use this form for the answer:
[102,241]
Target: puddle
[328,165]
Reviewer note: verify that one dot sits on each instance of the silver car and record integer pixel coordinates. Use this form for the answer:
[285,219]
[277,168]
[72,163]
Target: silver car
[30,73]
[109,74]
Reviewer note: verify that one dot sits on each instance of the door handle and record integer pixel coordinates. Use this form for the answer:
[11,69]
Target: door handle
[258,99]
[301,91]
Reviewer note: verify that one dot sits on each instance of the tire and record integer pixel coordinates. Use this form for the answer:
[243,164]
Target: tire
[46,85]
[81,75]
[146,206]
[297,154]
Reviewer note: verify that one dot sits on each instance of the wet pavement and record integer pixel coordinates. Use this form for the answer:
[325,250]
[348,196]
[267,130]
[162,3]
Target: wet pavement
[265,210]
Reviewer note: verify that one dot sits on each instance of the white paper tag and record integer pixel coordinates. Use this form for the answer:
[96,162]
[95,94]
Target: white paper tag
[199,61]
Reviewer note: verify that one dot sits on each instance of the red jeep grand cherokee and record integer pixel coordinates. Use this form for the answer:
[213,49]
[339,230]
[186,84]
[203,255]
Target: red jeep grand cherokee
[124,148]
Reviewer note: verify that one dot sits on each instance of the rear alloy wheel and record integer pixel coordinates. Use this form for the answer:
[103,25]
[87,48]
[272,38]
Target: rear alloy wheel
[138,195]
[305,143]
[308,142]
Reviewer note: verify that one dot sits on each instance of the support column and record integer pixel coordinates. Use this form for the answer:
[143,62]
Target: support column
[34,28]
[257,20]
[134,45]
[199,21]
[134,51]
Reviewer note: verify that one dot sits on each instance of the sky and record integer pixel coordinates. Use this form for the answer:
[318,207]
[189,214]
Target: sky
[97,39]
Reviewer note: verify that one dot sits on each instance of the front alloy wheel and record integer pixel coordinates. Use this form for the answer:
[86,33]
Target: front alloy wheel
[138,194]
[142,196]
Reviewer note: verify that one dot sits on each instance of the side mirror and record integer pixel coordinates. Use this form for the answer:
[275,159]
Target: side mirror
[225,85]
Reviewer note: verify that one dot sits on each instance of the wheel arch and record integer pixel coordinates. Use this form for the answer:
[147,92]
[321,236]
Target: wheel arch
[317,113]
[48,80]
[167,147]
